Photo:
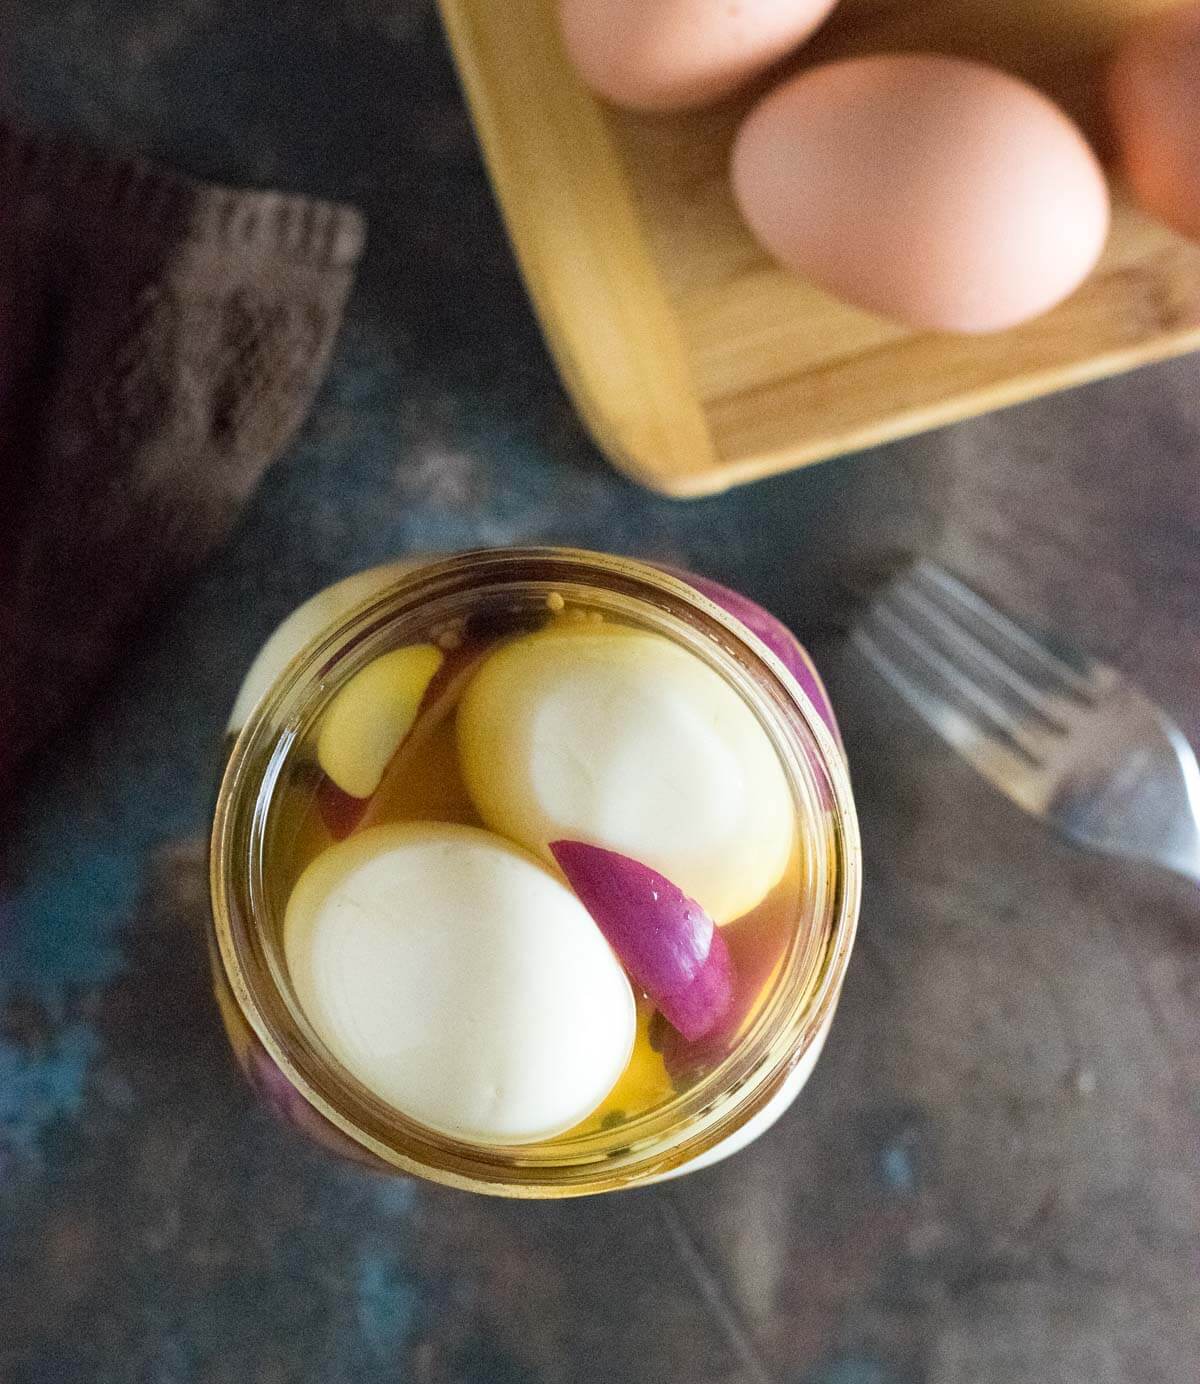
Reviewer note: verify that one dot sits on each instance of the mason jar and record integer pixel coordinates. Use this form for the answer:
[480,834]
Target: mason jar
[722,1105]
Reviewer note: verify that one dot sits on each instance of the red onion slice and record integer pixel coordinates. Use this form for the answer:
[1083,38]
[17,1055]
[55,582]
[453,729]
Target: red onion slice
[773,633]
[340,811]
[666,941]
[756,951]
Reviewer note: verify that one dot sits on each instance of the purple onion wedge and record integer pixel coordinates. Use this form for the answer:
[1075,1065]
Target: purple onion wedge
[756,951]
[773,633]
[666,941]
[340,811]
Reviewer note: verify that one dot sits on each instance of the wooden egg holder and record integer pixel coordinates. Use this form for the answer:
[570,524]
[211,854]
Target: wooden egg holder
[695,361]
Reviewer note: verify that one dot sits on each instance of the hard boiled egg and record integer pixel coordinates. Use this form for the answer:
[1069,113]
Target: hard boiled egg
[627,741]
[668,54]
[1154,102]
[939,192]
[459,981]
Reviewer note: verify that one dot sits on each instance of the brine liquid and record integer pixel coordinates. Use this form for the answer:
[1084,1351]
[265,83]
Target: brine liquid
[423,783]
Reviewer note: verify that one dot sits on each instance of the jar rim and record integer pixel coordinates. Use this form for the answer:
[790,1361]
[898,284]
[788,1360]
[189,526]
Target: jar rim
[690,1124]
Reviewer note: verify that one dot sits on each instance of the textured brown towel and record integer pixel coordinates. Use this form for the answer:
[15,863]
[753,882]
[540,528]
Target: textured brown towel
[160,342]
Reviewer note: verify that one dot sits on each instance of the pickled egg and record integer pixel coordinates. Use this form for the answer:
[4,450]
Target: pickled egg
[669,54]
[633,744]
[939,192]
[459,981]
[1154,103]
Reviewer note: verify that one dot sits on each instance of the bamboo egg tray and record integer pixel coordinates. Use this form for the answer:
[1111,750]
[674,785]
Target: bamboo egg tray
[695,361]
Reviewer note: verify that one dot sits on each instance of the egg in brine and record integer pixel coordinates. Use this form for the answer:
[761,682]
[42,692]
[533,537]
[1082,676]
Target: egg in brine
[939,192]
[670,54]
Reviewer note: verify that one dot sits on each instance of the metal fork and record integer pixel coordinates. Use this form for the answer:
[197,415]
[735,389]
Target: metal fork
[1065,737]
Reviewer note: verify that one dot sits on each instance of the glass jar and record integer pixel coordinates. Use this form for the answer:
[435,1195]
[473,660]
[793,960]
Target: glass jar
[327,642]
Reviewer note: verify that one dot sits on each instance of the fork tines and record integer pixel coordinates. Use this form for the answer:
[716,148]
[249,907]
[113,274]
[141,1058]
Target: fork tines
[971,670]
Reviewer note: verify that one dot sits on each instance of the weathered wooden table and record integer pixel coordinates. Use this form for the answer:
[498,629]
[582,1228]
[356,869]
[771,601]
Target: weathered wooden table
[994,1176]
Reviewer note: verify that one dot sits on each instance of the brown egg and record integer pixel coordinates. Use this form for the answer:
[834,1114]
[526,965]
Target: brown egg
[1154,102]
[939,192]
[668,54]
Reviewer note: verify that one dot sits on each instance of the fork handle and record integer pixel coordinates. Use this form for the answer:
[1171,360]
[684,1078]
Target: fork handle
[1185,867]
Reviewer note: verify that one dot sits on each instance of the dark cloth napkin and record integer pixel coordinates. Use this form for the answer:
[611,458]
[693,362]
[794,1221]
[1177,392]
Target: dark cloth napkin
[160,343]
